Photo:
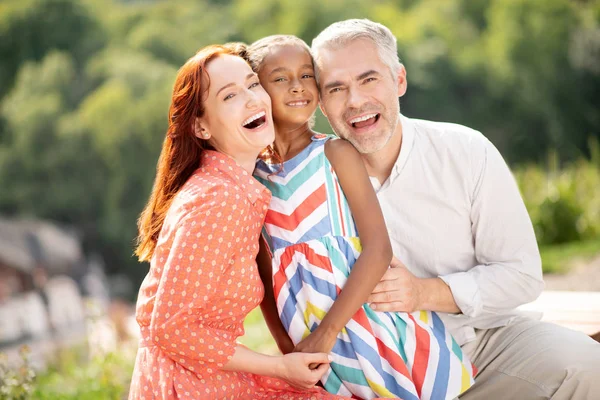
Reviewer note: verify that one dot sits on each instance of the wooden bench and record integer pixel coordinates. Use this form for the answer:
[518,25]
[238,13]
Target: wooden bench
[576,310]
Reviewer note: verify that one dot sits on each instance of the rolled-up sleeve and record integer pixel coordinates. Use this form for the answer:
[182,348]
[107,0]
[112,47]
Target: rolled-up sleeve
[509,271]
[201,251]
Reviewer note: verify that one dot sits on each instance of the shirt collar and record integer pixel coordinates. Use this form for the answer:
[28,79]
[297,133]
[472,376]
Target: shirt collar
[221,162]
[408,141]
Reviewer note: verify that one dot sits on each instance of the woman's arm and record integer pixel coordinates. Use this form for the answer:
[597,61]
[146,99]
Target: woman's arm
[376,248]
[182,320]
[293,368]
[269,305]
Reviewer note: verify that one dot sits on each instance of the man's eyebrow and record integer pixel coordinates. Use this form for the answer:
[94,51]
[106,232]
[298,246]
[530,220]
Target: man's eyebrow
[360,77]
[365,75]
[333,84]
[250,75]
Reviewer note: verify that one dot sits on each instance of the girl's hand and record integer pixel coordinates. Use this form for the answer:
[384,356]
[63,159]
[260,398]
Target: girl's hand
[319,341]
[295,369]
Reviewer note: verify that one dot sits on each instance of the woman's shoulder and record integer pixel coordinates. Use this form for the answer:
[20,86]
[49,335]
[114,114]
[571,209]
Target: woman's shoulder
[205,191]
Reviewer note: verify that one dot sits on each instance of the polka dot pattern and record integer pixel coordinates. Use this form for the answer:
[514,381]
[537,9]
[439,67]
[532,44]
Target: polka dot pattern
[202,283]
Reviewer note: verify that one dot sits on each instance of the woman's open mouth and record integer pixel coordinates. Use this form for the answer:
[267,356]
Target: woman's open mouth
[255,121]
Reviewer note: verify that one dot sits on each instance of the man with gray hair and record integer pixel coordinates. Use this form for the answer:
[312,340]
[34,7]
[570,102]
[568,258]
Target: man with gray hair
[457,223]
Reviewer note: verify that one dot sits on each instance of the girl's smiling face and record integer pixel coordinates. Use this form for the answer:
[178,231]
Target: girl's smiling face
[288,76]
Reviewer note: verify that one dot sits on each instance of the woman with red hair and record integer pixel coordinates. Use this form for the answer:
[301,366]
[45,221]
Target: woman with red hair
[200,233]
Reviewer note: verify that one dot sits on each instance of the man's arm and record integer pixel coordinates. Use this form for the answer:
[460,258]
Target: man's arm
[509,271]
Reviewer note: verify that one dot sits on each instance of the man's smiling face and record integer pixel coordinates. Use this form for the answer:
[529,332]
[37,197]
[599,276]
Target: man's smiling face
[359,94]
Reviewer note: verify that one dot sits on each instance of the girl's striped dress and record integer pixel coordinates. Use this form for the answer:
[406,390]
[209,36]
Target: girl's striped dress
[314,244]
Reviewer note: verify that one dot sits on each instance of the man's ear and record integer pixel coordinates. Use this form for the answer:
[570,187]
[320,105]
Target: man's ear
[401,80]
[322,109]
[200,129]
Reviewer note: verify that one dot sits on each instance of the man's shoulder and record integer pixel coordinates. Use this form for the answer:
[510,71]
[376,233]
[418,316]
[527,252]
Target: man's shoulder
[456,141]
[448,133]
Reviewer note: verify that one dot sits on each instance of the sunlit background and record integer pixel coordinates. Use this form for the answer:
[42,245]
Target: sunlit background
[84,91]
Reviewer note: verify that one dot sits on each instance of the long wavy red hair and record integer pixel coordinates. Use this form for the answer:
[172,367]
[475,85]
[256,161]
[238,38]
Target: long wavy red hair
[181,150]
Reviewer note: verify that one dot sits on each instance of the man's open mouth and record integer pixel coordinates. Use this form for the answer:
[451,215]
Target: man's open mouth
[364,121]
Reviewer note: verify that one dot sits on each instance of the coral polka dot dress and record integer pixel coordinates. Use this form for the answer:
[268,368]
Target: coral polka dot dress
[202,283]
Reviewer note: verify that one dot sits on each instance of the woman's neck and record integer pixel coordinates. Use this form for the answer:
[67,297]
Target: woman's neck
[246,161]
[291,141]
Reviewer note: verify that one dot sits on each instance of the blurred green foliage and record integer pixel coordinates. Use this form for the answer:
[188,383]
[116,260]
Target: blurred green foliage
[72,374]
[85,86]
[563,202]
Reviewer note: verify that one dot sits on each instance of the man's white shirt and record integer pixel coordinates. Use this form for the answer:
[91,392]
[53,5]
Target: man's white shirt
[453,210]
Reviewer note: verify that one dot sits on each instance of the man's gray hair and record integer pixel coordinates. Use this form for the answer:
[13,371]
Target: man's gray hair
[341,33]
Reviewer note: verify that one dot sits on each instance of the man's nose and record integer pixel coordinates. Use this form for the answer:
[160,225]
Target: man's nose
[355,98]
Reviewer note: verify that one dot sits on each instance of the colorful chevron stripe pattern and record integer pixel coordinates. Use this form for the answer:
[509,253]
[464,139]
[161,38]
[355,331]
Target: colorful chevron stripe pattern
[314,244]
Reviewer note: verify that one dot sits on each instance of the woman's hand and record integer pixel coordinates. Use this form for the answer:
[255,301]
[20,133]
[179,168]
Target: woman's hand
[295,369]
[319,341]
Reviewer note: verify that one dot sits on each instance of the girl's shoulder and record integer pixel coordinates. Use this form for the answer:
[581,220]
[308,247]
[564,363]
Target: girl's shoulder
[321,136]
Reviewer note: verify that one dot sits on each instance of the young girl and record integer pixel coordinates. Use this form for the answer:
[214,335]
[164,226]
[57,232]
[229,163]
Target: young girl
[316,271]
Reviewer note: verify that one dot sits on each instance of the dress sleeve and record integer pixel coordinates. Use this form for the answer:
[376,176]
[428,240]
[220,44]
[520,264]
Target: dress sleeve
[202,249]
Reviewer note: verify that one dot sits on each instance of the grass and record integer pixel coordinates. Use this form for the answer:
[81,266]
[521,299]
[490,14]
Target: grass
[560,258]
[258,337]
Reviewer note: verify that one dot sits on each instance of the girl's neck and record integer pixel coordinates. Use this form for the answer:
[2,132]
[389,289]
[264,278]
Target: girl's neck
[290,141]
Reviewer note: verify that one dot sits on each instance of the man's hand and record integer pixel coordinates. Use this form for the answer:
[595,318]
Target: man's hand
[399,290]
[319,341]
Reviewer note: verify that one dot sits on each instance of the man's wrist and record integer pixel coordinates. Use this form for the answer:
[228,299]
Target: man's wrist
[435,295]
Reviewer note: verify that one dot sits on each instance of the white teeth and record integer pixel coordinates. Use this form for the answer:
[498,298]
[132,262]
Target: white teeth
[364,118]
[254,117]
[298,103]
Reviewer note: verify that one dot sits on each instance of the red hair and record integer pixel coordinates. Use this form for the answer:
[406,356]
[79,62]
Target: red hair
[181,150]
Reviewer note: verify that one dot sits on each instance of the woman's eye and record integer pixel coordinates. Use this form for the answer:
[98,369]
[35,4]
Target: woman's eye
[229,96]
[255,84]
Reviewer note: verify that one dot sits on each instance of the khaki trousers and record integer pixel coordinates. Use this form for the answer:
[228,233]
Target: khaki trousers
[529,359]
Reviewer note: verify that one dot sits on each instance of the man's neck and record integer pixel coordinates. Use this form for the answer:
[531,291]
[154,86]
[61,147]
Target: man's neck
[380,164]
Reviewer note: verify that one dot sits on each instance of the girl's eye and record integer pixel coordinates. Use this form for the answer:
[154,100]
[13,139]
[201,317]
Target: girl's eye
[255,84]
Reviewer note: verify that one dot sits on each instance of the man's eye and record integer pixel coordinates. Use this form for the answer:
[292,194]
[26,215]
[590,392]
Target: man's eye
[335,90]
[280,79]
[369,80]
[307,76]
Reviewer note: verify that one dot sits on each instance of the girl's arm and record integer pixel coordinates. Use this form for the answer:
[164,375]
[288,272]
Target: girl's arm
[376,248]
[269,305]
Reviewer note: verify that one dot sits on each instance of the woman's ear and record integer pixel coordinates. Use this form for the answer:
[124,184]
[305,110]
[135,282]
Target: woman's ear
[200,129]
